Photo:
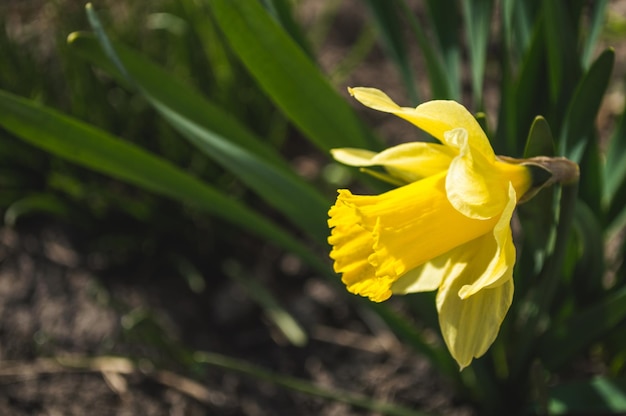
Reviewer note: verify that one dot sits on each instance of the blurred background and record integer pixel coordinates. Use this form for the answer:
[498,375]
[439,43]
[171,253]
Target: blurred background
[92,268]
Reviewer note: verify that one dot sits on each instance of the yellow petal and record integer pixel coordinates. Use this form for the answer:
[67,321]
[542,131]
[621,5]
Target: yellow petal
[472,185]
[477,187]
[477,290]
[408,161]
[500,267]
[434,117]
[353,157]
[424,278]
[490,259]
[469,326]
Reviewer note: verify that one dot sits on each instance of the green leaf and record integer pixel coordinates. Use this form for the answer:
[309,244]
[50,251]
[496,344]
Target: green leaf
[615,166]
[289,77]
[279,316]
[565,340]
[537,215]
[208,128]
[391,32]
[600,395]
[281,11]
[539,300]
[578,123]
[517,30]
[522,104]
[303,386]
[616,212]
[478,23]
[446,21]
[39,203]
[560,38]
[95,149]
[591,180]
[596,25]
[587,277]
[441,85]
[540,141]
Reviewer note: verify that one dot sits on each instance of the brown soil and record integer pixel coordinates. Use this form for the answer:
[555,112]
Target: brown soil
[74,343]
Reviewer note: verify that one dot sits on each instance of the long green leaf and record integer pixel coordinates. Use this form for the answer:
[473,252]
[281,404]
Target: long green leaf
[289,77]
[210,130]
[38,203]
[441,85]
[446,20]
[274,311]
[95,149]
[303,386]
[540,300]
[478,23]
[521,104]
[560,38]
[583,108]
[598,396]
[387,20]
[282,13]
[587,278]
[596,24]
[537,215]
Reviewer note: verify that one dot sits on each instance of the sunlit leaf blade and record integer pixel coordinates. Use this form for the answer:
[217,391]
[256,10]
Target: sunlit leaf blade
[578,123]
[441,85]
[201,123]
[303,386]
[391,33]
[559,345]
[521,104]
[446,22]
[274,311]
[289,77]
[95,149]
[39,203]
[517,30]
[560,39]
[166,88]
[595,27]
[478,24]
[598,396]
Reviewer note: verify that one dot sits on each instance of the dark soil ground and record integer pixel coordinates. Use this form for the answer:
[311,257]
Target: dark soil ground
[75,343]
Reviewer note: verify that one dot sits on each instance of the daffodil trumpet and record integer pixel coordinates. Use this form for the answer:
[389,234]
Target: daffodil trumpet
[445,228]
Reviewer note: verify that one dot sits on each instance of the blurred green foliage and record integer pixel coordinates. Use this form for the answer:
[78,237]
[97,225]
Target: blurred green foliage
[206,98]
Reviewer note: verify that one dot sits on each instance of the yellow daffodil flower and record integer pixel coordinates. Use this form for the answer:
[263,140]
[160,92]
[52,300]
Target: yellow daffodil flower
[447,228]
